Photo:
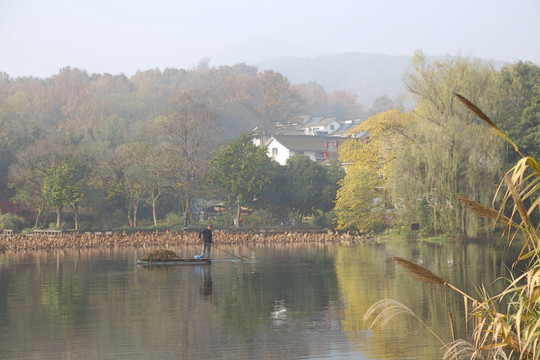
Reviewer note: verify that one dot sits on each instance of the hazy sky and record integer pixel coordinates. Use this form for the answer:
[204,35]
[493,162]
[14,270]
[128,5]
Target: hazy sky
[38,37]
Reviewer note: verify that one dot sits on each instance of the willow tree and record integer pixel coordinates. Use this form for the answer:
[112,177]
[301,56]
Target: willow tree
[451,153]
[362,199]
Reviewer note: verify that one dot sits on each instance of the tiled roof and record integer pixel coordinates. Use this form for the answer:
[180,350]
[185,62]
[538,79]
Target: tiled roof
[312,120]
[320,122]
[306,142]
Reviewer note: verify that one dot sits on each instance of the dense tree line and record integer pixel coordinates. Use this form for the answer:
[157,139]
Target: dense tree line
[108,146]
[250,179]
[442,149]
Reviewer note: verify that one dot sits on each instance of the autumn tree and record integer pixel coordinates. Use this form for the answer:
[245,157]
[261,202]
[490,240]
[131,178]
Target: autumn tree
[232,89]
[343,105]
[72,88]
[315,98]
[340,104]
[189,133]
[363,200]
[274,100]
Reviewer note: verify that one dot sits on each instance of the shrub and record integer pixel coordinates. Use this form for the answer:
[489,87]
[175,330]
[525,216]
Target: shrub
[223,221]
[323,220]
[256,219]
[13,222]
[173,218]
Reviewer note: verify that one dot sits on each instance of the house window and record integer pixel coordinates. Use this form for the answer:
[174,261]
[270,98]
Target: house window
[274,151]
[332,127]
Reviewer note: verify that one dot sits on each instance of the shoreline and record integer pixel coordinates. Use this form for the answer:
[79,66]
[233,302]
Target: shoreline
[171,239]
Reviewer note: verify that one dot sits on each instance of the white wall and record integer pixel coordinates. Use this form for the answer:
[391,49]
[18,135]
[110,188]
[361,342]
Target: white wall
[282,152]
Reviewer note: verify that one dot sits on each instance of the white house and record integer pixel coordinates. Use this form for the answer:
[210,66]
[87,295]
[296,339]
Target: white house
[324,126]
[319,148]
[259,137]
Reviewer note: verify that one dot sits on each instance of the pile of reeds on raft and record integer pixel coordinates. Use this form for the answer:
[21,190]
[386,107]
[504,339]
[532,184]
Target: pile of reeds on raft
[166,239]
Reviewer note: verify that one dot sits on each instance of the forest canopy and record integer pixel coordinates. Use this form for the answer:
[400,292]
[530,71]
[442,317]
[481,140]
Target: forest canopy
[140,137]
[108,150]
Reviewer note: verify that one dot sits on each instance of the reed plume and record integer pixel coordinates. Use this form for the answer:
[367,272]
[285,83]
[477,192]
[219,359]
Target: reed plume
[423,274]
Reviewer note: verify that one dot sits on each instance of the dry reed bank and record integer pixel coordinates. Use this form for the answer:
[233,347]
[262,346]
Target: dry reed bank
[166,239]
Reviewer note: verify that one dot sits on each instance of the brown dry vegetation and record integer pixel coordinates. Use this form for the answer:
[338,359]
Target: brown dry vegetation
[166,239]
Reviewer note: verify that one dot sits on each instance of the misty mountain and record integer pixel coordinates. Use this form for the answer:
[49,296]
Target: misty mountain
[370,76]
[259,50]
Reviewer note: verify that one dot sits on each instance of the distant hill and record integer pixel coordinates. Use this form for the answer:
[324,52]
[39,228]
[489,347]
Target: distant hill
[370,76]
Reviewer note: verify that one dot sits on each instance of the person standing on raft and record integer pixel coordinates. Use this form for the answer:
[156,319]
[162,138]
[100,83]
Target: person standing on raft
[207,240]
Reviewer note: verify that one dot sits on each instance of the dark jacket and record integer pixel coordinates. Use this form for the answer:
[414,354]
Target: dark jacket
[206,236]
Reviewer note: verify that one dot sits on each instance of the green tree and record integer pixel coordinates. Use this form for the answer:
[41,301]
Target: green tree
[27,174]
[158,177]
[62,186]
[518,109]
[308,188]
[242,171]
[335,172]
[133,175]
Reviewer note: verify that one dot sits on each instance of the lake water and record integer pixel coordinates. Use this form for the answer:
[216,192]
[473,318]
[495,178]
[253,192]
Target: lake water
[284,302]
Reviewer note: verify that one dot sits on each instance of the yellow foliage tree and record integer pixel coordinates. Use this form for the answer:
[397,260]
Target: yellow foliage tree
[362,201]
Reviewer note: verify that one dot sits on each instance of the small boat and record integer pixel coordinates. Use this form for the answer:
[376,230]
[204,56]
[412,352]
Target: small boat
[174,261]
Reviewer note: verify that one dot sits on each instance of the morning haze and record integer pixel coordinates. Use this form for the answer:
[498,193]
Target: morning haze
[39,38]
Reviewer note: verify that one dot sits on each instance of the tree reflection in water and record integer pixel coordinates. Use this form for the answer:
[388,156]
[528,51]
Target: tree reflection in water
[290,301]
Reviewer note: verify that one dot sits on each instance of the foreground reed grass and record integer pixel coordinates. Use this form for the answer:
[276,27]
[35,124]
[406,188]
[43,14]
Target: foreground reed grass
[172,239]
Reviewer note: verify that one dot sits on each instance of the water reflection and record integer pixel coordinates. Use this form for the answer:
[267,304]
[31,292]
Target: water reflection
[205,285]
[287,302]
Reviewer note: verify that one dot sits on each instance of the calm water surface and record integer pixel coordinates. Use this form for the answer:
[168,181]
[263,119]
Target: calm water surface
[285,302]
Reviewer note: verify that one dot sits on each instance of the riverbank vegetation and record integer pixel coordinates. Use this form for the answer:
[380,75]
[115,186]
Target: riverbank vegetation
[165,239]
[90,152]
[414,164]
[505,325]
